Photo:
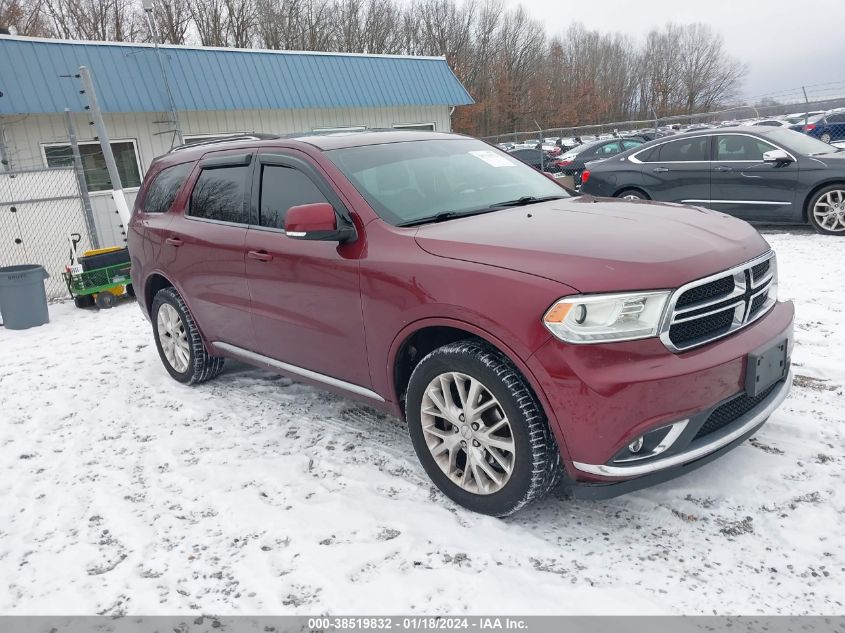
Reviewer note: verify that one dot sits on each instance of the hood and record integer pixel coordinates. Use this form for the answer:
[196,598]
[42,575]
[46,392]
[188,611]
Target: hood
[599,244]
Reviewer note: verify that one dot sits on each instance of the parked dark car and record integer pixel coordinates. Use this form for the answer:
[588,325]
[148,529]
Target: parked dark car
[828,127]
[519,331]
[532,157]
[572,163]
[757,174]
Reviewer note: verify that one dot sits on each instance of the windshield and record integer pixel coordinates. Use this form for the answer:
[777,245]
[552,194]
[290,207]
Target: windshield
[801,143]
[415,180]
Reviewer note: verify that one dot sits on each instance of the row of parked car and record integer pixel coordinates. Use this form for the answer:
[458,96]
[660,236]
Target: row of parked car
[568,156]
[759,174]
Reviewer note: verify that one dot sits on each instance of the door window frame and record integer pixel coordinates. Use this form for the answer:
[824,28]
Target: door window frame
[234,158]
[285,158]
[715,148]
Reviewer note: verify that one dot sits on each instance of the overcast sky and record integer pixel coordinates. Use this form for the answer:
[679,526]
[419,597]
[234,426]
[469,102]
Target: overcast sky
[787,43]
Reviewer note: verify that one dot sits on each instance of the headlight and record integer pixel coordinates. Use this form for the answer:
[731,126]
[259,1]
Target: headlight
[604,318]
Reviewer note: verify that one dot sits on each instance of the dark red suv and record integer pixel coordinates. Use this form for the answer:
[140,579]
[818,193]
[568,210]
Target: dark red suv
[525,335]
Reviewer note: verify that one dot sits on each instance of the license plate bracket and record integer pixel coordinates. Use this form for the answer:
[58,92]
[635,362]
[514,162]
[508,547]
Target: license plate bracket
[766,367]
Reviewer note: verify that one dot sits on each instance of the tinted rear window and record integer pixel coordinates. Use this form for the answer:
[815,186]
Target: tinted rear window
[219,195]
[162,191]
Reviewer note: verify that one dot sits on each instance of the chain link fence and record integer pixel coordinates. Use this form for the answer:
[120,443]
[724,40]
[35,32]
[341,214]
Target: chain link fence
[823,119]
[39,209]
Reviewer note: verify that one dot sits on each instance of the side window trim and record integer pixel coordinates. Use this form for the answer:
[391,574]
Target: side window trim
[282,159]
[633,157]
[230,160]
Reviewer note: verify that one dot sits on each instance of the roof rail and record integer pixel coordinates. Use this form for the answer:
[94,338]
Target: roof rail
[251,136]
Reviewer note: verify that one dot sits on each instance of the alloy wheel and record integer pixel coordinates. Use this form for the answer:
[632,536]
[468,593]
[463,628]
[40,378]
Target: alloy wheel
[631,196]
[829,211]
[173,337]
[468,433]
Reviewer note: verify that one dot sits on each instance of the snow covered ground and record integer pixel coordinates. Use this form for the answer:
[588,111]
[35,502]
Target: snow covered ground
[122,491]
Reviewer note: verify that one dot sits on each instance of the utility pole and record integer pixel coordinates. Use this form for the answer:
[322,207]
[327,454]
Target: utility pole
[540,140]
[807,110]
[80,179]
[5,161]
[103,136]
[177,132]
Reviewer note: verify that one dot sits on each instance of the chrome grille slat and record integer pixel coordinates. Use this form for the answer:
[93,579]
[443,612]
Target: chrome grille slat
[737,292]
[685,326]
[683,319]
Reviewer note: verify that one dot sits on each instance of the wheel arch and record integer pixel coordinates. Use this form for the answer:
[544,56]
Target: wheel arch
[805,208]
[629,188]
[401,362]
[152,284]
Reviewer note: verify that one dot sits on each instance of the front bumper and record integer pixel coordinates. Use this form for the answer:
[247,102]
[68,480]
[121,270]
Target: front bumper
[694,455]
[603,397]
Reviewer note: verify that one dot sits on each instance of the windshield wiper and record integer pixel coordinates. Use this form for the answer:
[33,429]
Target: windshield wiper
[525,200]
[451,215]
[446,215]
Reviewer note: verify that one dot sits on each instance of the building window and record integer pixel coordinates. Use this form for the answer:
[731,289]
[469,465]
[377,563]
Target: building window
[94,165]
[351,128]
[431,127]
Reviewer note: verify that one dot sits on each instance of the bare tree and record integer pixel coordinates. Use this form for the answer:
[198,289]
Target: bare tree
[708,75]
[210,20]
[116,20]
[173,19]
[25,16]
[240,22]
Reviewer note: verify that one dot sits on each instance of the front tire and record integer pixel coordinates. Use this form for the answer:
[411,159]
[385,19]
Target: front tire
[478,430]
[826,138]
[826,210]
[178,340]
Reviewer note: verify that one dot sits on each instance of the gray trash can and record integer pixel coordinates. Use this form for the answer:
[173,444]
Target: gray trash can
[23,301]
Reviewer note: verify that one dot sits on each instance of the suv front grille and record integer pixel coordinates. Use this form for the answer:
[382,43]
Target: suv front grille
[708,309]
[731,411]
[718,288]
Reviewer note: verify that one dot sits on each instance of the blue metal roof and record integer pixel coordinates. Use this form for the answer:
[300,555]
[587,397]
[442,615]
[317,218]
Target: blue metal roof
[128,79]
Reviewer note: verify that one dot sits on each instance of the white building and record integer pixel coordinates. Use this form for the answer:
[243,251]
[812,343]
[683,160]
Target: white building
[215,92]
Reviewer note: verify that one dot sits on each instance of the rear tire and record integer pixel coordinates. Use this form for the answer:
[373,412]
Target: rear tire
[178,340]
[632,194]
[493,455]
[826,210]
[826,138]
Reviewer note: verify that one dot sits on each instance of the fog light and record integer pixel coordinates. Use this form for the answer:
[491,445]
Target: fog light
[637,445]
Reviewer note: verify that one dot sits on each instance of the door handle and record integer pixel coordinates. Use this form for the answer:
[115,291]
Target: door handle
[723,168]
[262,256]
[660,170]
[174,241]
